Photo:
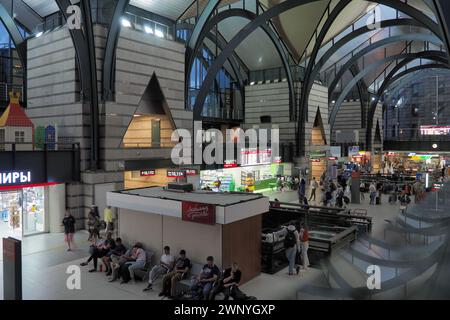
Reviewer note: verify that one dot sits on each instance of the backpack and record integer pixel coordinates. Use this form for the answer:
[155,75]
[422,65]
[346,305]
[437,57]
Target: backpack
[290,241]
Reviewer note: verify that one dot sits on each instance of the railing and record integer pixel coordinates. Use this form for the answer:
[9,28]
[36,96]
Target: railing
[29,146]
[146,143]
[275,75]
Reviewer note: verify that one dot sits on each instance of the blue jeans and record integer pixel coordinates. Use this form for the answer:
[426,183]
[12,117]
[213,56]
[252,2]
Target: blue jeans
[134,266]
[291,254]
[206,288]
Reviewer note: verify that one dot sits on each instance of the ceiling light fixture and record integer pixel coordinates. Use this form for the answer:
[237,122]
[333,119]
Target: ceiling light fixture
[126,23]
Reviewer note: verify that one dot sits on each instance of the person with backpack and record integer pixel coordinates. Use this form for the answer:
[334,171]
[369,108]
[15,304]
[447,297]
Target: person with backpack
[292,246]
[304,244]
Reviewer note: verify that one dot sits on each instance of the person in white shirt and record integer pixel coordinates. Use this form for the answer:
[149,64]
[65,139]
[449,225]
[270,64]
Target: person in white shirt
[373,193]
[314,185]
[165,266]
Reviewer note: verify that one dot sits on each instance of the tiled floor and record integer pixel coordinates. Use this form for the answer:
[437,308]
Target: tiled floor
[46,261]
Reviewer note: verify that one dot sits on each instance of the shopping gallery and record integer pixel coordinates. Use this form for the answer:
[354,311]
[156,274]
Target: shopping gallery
[357,92]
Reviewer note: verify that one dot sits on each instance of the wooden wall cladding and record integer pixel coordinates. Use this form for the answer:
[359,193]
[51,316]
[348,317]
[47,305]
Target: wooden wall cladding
[241,243]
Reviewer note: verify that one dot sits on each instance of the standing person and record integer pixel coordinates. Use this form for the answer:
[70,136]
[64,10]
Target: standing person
[314,185]
[292,246]
[302,191]
[108,218]
[165,266]
[362,189]
[69,229]
[304,244]
[93,227]
[373,193]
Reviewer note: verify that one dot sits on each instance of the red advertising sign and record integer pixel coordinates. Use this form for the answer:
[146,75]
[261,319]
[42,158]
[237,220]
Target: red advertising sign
[176,173]
[191,172]
[198,212]
[148,173]
[230,164]
[9,249]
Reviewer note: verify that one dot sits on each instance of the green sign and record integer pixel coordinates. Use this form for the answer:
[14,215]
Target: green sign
[317,154]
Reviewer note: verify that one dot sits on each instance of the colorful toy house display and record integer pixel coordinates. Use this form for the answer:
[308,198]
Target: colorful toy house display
[15,127]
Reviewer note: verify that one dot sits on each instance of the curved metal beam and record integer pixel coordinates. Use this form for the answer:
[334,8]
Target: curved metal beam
[359,76]
[353,35]
[417,68]
[376,45]
[110,50]
[221,44]
[85,53]
[261,19]
[249,15]
[309,79]
[15,35]
[193,43]
[392,77]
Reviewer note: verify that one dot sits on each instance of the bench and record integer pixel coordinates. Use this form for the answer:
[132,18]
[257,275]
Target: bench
[184,285]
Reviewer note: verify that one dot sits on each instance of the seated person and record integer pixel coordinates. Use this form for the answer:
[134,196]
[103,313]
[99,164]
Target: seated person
[205,281]
[182,266]
[100,250]
[137,261]
[119,250]
[118,263]
[165,266]
[229,285]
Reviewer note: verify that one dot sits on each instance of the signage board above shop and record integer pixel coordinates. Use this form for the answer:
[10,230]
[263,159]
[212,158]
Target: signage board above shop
[11,178]
[176,173]
[317,154]
[199,212]
[148,173]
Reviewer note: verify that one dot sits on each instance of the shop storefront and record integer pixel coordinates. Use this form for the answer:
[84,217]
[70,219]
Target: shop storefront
[258,171]
[23,210]
[319,163]
[245,178]
[27,210]
[411,162]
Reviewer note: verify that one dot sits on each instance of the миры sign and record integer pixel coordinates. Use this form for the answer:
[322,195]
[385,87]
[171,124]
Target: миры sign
[15,177]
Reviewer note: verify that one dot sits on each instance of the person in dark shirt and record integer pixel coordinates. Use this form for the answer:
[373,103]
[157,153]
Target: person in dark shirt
[118,251]
[170,280]
[229,284]
[99,251]
[69,229]
[205,281]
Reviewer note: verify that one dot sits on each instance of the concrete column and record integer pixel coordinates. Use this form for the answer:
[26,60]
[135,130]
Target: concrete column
[56,207]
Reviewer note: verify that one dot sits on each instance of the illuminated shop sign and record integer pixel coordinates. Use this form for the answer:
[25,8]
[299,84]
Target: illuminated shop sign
[332,158]
[176,173]
[148,173]
[315,160]
[15,177]
[434,130]
[230,164]
[191,172]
